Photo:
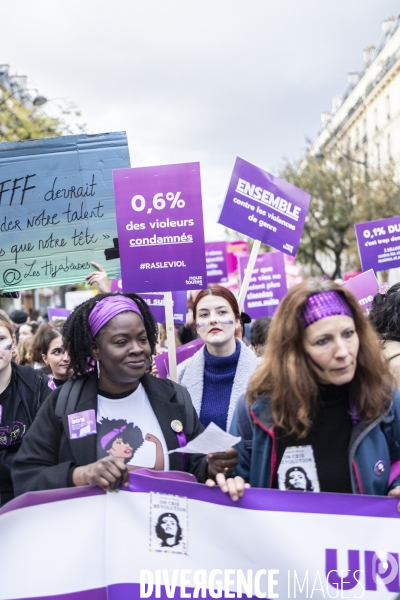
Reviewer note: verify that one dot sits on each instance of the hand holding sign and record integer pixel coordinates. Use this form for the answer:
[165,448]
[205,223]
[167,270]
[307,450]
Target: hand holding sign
[100,277]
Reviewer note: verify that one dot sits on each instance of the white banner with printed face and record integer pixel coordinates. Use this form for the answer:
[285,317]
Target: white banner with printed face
[163,538]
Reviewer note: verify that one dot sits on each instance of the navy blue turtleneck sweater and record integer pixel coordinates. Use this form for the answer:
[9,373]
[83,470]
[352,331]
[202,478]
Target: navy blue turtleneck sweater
[219,373]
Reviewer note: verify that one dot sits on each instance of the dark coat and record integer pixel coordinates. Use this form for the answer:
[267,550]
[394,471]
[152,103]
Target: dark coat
[48,456]
[29,389]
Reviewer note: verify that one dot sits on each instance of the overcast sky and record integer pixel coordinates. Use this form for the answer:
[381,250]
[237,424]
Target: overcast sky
[195,80]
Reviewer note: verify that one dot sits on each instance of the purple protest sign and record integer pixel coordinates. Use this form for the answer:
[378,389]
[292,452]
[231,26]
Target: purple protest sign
[363,287]
[116,285]
[267,284]
[155,300]
[379,244]
[265,207]
[182,353]
[57,313]
[160,228]
[216,262]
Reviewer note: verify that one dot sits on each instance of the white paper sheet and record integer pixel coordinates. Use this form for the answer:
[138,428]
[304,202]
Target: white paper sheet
[213,439]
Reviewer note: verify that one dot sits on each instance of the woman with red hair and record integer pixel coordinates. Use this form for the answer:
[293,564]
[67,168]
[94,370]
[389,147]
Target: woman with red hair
[218,374]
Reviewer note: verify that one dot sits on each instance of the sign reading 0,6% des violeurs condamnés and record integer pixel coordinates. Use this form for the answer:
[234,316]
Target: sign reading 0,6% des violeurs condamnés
[160,228]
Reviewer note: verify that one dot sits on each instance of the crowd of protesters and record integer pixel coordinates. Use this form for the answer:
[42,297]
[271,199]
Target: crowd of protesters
[313,395]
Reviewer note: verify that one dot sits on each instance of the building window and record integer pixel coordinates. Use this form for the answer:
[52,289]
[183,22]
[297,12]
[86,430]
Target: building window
[365,131]
[388,107]
[357,138]
[376,119]
[378,156]
[389,146]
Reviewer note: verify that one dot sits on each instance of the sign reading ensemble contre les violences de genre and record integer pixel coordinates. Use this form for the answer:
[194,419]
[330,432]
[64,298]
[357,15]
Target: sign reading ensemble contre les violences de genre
[160,228]
[265,207]
[57,210]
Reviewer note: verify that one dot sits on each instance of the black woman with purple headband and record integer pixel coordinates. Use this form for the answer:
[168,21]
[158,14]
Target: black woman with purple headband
[322,405]
[111,416]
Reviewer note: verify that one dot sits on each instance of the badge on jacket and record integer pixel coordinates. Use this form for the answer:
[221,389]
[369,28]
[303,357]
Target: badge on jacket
[82,424]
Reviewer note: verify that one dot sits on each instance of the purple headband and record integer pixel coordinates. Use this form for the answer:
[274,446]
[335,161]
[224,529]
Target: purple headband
[110,436]
[109,307]
[325,304]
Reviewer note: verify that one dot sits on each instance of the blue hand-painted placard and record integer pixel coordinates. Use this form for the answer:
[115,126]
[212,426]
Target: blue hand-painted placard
[57,211]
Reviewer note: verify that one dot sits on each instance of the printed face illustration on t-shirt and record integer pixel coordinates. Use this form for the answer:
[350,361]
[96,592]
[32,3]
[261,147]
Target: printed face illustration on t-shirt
[128,430]
[118,438]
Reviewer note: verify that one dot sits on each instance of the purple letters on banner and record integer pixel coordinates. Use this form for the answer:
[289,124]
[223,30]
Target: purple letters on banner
[379,244]
[182,353]
[363,287]
[160,228]
[265,207]
[216,262]
[267,284]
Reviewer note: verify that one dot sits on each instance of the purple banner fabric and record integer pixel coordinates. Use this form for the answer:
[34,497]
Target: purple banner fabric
[155,300]
[364,287]
[379,244]
[267,284]
[182,353]
[216,262]
[160,228]
[265,207]
[57,313]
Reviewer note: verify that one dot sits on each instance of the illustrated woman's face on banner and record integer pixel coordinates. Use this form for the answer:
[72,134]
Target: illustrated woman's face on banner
[170,526]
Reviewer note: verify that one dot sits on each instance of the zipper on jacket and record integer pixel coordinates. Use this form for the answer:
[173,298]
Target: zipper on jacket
[357,474]
[272,435]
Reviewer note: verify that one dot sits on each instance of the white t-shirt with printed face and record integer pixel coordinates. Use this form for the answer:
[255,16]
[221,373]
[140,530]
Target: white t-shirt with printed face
[127,428]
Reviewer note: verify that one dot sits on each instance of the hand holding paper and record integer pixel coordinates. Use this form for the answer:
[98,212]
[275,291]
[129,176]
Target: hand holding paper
[213,439]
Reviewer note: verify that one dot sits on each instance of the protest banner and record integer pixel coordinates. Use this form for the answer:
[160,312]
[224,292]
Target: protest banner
[156,303]
[260,217]
[155,300]
[216,262]
[165,538]
[363,287]
[182,353]
[160,228]
[233,250]
[256,203]
[57,210]
[267,285]
[57,313]
[379,244]
[116,285]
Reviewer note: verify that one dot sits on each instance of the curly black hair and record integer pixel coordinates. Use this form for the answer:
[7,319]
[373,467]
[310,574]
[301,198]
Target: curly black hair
[385,313]
[78,338]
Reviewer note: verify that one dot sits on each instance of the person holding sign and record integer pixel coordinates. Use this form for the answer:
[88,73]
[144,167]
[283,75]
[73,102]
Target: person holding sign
[22,391]
[116,417]
[218,374]
[322,401]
